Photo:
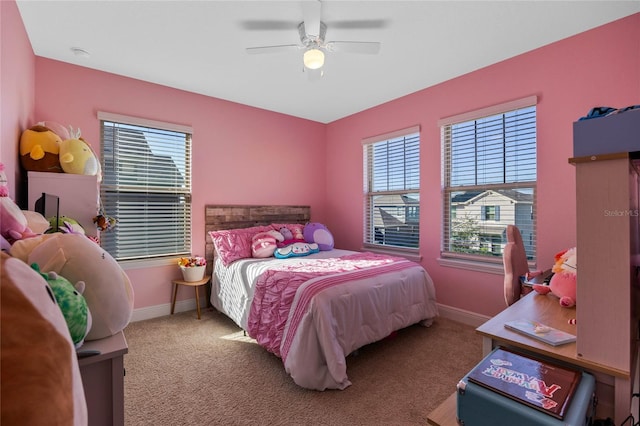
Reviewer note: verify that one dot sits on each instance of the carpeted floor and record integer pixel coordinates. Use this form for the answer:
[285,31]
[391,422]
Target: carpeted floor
[181,371]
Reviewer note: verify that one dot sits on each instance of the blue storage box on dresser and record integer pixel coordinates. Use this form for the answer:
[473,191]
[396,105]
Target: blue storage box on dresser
[539,393]
[614,133]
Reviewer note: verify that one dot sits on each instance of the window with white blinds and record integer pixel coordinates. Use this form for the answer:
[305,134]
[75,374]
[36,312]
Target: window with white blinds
[489,180]
[392,190]
[146,187]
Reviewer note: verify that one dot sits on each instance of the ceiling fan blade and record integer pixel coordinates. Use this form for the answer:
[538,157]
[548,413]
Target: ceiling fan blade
[273,49]
[268,25]
[311,13]
[365,24]
[367,47]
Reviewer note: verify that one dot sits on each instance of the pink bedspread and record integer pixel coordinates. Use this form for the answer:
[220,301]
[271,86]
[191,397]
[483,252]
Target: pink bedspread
[276,289]
[314,312]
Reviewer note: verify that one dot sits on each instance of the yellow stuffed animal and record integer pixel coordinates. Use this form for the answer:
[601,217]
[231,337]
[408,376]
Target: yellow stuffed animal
[40,150]
[77,157]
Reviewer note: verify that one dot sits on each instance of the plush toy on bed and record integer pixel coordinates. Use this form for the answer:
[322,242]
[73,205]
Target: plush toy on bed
[296,250]
[264,243]
[563,283]
[318,233]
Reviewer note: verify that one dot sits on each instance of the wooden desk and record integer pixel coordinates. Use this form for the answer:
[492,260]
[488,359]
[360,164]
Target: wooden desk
[613,387]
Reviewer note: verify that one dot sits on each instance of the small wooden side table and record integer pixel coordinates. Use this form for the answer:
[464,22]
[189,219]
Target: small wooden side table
[194,284]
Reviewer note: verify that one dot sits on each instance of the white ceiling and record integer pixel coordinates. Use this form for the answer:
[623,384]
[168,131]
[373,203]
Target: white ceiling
[199,46]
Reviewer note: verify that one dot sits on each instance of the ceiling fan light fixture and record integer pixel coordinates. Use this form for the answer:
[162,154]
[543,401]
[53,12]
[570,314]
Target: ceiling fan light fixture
[313,58]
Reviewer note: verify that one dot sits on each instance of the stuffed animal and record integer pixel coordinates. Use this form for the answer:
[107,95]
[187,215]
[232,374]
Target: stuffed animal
[40,150]
[65,224]
[4,190]
[286,233]
[41,382]
[77,157]
[13,222]
[56,128]
[72,304]
[108,291]
[318,233]
[296,250]
[104,222]
[563,283]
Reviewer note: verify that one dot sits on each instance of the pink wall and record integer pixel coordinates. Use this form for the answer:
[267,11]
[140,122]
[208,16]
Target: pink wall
[599,67]
[17,92]
[241,155]
[239,150]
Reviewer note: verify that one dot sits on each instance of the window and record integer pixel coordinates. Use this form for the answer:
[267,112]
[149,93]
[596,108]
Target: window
[491,213]
[392,190]
[489,180]
[146,186]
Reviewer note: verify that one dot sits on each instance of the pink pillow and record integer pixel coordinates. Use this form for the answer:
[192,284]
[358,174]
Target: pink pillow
[234,244]
[263,244]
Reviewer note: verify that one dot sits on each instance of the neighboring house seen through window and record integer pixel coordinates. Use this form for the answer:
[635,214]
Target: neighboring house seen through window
[392,190]
[146,187]
[489,180]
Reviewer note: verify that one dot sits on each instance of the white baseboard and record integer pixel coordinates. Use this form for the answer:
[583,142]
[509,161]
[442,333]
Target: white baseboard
[449,312]
[155,311]
[462,316]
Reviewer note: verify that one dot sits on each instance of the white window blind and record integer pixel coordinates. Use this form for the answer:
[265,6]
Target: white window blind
[392,190]
[147,187]
[489,181]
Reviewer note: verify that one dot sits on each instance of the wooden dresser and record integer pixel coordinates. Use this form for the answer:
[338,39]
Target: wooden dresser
[103,380]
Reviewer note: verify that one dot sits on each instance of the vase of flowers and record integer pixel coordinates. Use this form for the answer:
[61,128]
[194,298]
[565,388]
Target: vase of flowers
[192,267]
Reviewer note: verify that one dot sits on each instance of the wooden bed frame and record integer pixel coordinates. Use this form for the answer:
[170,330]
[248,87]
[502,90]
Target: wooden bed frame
[222,216]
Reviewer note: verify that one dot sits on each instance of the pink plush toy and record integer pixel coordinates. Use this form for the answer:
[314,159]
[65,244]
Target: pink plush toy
[13,223]
[563,284]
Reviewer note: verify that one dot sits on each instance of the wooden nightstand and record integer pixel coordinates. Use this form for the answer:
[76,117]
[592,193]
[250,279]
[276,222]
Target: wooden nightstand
[194,284]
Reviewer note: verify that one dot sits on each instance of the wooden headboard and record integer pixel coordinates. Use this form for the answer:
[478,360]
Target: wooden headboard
[222,216]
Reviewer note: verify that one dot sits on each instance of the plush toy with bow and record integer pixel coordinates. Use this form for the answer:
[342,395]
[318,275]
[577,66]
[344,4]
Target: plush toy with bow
[563,283]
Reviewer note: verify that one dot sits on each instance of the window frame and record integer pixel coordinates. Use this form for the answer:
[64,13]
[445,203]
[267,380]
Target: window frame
[184,193]
[369,231]
[477,262]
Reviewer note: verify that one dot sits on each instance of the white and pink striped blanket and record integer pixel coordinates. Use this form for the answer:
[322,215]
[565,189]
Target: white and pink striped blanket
[313,312]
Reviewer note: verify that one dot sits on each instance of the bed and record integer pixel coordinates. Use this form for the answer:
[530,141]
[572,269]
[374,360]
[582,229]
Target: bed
[311,311]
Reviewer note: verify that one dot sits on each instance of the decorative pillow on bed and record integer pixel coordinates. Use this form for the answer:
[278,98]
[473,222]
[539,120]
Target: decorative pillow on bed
[319,234]
[234,244]
[264,243]
[296,250]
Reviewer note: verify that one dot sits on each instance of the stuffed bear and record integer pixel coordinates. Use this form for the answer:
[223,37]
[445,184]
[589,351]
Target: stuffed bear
[41,382]
[72,304]
[40,150]
[563,283]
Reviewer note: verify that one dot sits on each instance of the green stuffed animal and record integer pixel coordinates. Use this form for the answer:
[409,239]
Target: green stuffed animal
[72,304]
[66,225]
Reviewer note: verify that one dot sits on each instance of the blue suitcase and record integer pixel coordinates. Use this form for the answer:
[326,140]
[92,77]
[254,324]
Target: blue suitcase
[479,403]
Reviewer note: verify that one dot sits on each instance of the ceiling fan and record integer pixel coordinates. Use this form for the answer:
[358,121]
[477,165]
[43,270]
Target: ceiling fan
[312,32]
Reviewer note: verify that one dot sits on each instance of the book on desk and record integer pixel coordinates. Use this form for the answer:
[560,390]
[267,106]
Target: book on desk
[542,332]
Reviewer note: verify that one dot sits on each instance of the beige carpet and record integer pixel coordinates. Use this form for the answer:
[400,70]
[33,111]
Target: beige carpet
[181,371]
